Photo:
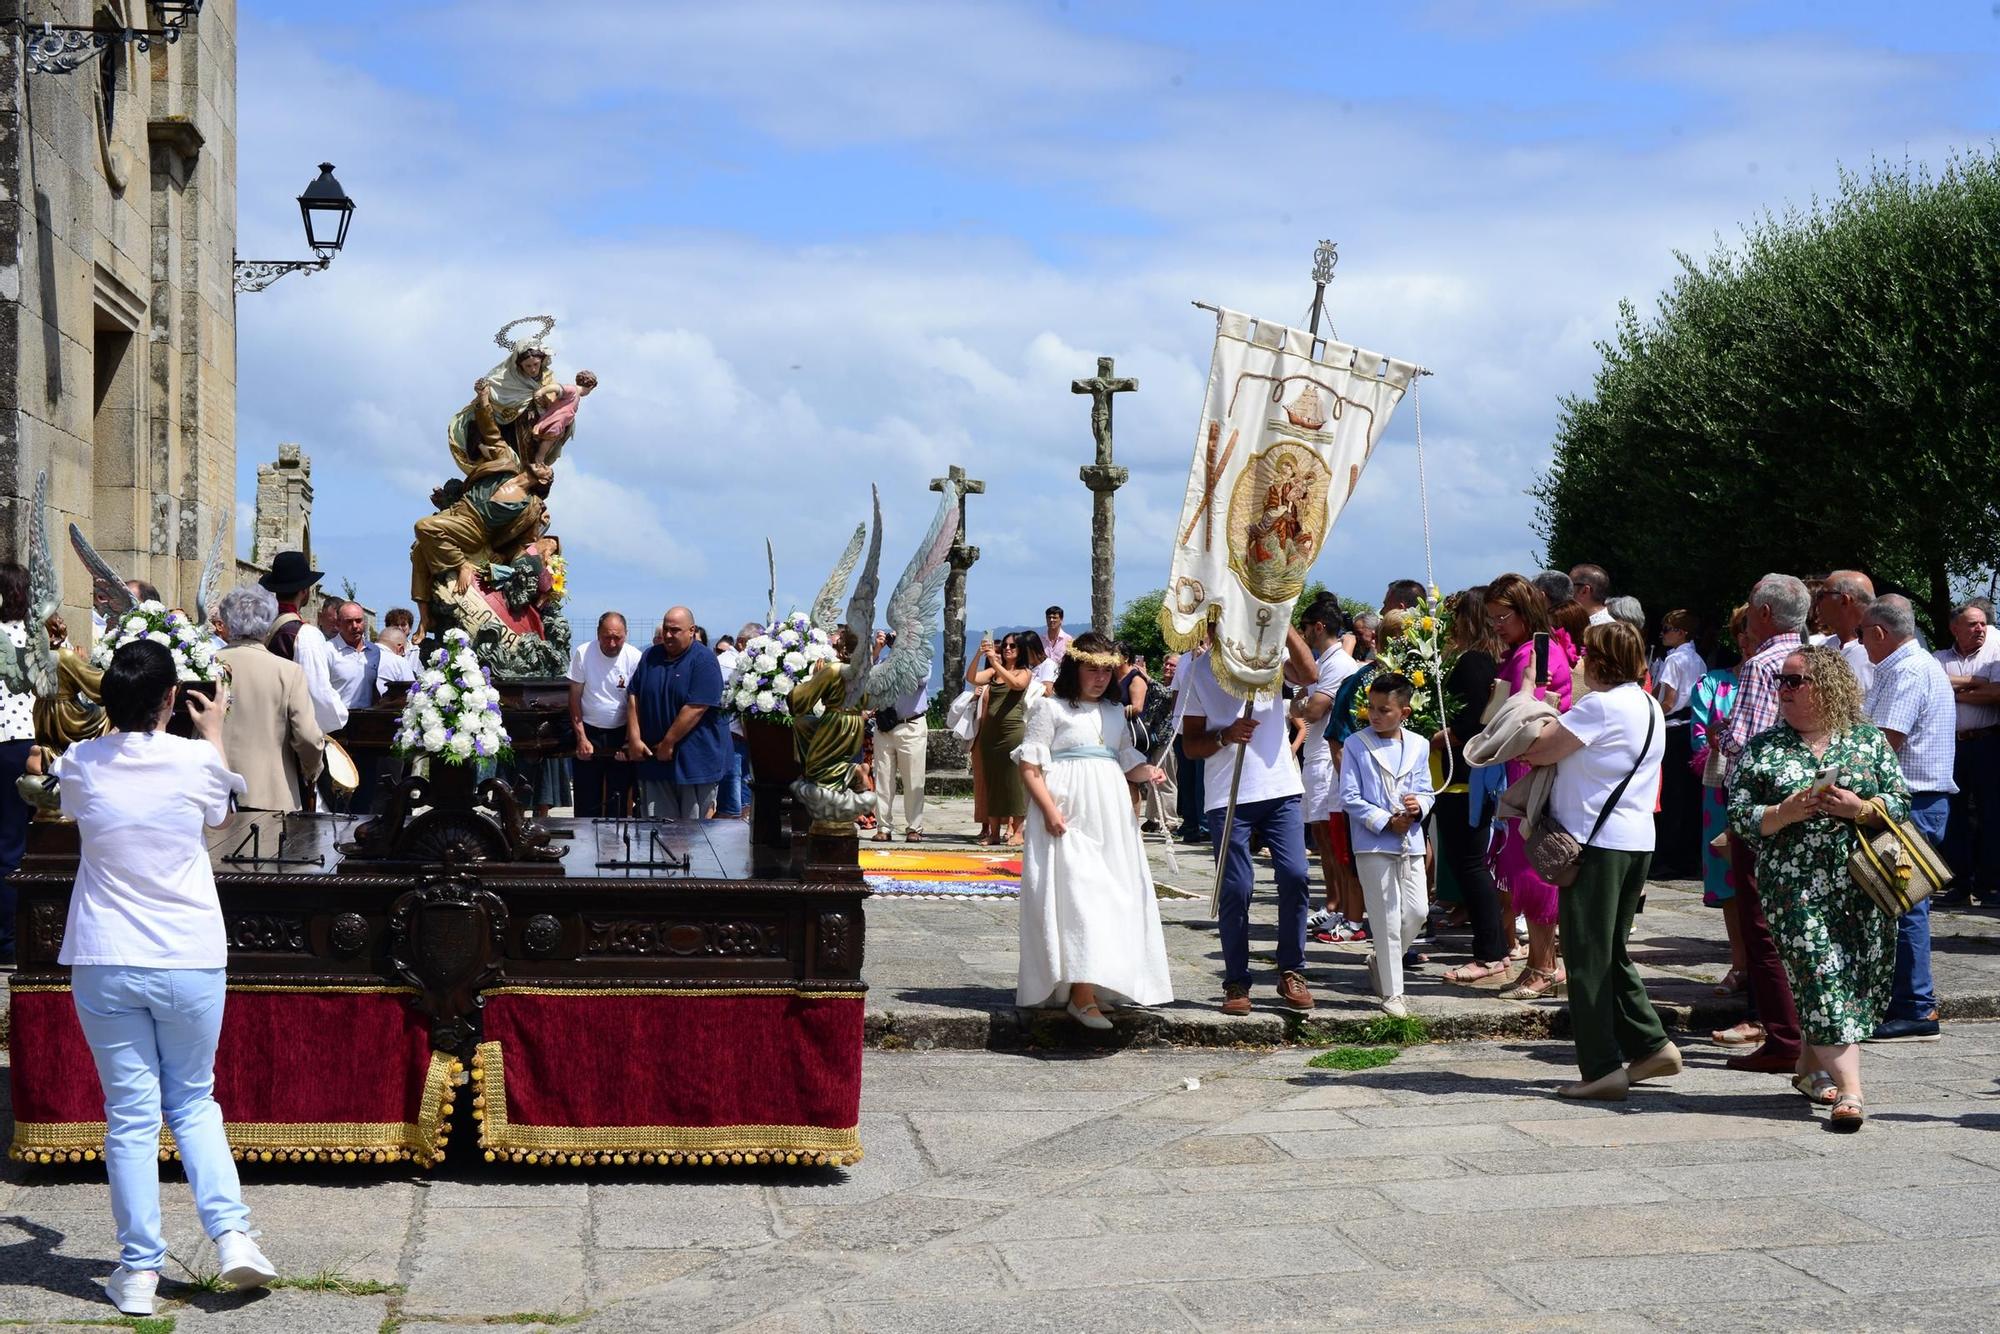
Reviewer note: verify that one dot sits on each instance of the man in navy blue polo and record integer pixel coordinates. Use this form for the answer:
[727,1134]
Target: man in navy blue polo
[674,725]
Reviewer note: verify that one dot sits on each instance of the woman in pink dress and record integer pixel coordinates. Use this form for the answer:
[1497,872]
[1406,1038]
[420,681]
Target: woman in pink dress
[1518,612]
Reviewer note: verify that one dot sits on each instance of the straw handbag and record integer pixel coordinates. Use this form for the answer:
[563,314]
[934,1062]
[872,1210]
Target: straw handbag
[1897,867]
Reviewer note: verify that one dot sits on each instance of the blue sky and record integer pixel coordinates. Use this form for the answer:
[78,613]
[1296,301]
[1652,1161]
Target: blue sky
[810,246]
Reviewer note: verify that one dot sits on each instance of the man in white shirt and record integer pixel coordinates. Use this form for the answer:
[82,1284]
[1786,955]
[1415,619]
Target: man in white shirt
[600,674]
[1913,705]
[902,743]
[1840,606]
[1677,847]
[1319,762]
[1972,833]
[1591,586]
[398,663]
[354,669]
[355,665]
[1268,804]
[291,581]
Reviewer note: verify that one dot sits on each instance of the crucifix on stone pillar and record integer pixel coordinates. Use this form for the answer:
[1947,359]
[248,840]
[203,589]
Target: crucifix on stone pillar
[1103,479]
[960,557]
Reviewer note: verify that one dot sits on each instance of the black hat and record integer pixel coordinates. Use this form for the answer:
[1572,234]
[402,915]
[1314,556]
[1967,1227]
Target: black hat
[290,572]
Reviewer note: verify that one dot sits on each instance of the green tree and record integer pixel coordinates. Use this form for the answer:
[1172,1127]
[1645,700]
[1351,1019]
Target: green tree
[1138,627]
[1821,395]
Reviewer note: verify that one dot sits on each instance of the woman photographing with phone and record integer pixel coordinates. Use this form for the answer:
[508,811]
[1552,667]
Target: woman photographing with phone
[1006,678]
[1090,925]
[147,955]
[1803,792]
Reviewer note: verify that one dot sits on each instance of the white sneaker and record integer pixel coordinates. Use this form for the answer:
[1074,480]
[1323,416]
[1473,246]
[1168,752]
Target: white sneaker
[131,1290]
[1395,1008]
[243,1265]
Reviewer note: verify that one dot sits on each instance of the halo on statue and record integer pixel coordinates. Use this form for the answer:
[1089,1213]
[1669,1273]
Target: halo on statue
[548,323]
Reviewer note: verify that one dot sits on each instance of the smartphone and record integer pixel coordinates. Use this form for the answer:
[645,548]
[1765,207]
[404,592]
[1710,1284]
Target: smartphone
[1541,658]
[1825,780]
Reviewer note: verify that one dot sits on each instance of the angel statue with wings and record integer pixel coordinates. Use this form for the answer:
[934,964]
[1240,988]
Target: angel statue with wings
[489,527]
[828,707]
[64,681]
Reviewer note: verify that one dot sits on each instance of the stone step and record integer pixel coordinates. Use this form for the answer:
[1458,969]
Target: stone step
[948,783]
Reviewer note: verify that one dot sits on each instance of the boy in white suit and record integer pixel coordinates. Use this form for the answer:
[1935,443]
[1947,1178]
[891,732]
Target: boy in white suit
[1385,787]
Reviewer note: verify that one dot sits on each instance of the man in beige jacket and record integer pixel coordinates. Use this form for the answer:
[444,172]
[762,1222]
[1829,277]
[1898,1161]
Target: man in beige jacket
[273,739]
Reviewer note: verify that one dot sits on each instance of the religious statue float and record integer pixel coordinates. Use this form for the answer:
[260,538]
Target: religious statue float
[485,562]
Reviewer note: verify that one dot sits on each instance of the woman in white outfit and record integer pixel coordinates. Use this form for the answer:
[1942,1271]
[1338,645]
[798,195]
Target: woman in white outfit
[1090,926]
[147,955]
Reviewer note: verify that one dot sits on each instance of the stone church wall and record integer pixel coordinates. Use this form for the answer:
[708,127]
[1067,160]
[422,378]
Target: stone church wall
[117,315]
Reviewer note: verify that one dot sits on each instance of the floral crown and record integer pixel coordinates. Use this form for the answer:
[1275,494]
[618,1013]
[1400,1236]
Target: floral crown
[1083,659]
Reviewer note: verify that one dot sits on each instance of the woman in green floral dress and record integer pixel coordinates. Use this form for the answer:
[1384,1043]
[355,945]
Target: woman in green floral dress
[1839,948]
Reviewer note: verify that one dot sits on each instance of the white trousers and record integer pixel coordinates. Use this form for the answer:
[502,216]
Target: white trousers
[900,756]
[1398,902]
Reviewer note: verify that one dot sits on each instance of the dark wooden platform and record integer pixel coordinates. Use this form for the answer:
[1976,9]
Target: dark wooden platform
[632,902]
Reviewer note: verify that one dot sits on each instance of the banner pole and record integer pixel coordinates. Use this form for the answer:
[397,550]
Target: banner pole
[1325,255]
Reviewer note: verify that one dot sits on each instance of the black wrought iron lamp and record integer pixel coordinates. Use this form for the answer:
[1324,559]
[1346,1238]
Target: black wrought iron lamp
[326,210]
[62,48]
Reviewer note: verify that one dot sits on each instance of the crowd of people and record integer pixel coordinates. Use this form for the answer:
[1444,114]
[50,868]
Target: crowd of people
[1578,760]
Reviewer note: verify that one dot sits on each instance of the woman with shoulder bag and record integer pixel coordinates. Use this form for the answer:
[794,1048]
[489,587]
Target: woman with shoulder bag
[1800,791]
[1607,750]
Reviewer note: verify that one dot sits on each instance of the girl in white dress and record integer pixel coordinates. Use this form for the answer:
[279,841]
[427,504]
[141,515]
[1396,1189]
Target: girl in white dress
[1090,926]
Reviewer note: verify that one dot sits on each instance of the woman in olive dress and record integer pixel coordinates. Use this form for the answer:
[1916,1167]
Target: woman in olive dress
[1839,949]
[1006,678]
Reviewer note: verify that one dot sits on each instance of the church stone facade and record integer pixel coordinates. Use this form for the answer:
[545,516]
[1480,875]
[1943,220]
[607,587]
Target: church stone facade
[117,314]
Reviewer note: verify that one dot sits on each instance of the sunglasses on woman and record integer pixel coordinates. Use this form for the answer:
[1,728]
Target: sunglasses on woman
[1791,680]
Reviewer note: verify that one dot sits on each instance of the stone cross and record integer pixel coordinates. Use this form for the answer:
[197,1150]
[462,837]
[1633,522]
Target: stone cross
[960,558]
[1103,479]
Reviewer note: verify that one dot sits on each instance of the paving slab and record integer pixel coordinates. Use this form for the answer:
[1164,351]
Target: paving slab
[1642,1282]
[280,1311]
[498,1262]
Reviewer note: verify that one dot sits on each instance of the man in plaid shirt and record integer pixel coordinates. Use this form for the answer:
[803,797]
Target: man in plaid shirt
[1913,704]
[1778,606]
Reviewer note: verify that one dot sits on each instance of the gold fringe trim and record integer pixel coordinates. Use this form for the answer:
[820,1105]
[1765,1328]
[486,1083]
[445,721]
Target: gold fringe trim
[673,991]
[664,1146]
[421,1142]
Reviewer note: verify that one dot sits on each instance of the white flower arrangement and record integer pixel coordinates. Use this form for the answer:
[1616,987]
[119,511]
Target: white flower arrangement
[771,664]
[194,650]
[453,710]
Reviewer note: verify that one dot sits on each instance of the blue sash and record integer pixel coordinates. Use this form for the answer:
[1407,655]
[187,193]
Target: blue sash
[1085,753]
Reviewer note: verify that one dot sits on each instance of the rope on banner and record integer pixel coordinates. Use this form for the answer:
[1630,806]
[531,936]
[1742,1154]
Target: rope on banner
[1423,480]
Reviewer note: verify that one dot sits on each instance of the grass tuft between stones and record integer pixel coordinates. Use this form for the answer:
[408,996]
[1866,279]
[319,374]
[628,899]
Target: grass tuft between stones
[1383,1030]
[1353,1058]
[333,1280]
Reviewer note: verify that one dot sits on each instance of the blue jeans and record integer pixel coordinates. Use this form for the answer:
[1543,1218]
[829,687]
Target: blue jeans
[729,796]
[1278,821]
[1190,788]
[1913,997]
[152,1032]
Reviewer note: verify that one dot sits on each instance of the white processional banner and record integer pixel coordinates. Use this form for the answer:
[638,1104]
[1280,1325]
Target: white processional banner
[1284,436]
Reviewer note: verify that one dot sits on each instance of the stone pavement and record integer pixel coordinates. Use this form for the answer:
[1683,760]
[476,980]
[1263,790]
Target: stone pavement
[941,973]
[1183,1189]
